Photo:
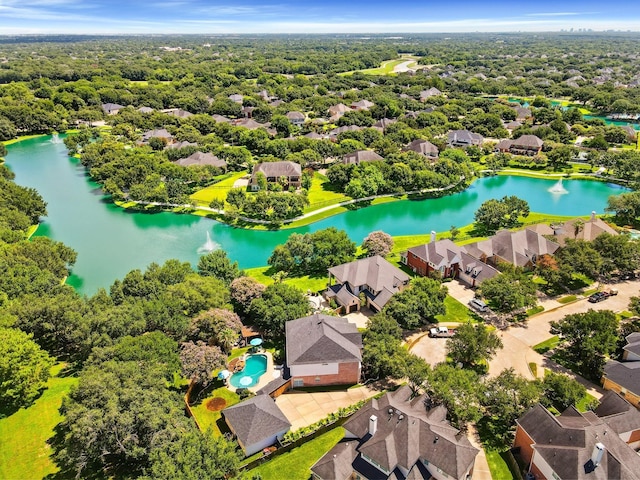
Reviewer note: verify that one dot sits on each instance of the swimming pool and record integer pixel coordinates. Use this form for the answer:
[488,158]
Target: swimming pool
[254,367]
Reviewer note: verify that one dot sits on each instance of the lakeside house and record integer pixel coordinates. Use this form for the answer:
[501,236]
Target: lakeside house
[398,437]
[624,377]
[373,277]
[111,108]
[257,423]
[521,248]
[323,350]
[449,259]
[289,173]
[528,145]
[359,156]
[594,445]
[202,159]
[423,147]
[464,138]
[576,229]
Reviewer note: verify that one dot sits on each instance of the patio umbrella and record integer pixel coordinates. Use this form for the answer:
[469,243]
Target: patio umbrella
[255,342]
[224,374]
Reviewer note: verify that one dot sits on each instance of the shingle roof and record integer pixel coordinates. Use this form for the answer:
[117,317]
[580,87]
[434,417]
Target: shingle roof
[402,438]
[183,144]
[159,133]
[440,253]
[321,338]
[625,374]
[527,141]
[295,115]
[199,158]
[361,156]
[364,104]
[256,419]
[464,137]
[566,443]
[376,272]
[249,123]
[424,147]
[432,92]
[145,109]
[517,248]
[110,107]
[619,414]
[220,118]
[278,169]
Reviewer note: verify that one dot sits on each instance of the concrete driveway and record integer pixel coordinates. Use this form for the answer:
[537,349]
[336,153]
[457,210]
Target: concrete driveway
[460,292]
[433,350]
[303,409]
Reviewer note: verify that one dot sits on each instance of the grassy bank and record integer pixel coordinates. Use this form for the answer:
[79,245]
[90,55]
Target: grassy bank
[25,452]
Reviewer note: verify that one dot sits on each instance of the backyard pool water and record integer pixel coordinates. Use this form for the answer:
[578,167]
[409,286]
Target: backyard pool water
[255,366]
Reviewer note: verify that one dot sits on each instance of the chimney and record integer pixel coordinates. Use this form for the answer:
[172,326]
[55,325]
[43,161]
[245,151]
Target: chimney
[373,425]
[593,216]
[598,453]
[433,235]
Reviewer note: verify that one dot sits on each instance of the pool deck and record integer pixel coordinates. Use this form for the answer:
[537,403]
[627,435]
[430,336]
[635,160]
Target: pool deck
[265,378]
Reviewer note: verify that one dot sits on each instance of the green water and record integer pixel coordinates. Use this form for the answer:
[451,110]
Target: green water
[111,241]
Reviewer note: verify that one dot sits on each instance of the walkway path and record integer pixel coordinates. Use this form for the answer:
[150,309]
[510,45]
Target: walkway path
[481,469]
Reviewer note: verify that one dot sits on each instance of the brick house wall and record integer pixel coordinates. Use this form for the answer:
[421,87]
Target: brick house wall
[632,398]
[421,267]
[348,374]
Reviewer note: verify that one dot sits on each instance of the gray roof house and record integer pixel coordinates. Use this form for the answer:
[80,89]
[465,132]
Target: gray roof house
[220,118]
[398,437]
[359,156]
[177,112]
[423,147]
[451,260]
[236,97]
[521,248]
[200,158]
[576,229]
[333,134]
[183,144]
[624,377]
[158,133]
[274,171]
[598,445]
[145,109]
[111,108]
[431,92]
[296,118]
[323,350]
[373,276]
[464,138]
[257,423]
[336,111]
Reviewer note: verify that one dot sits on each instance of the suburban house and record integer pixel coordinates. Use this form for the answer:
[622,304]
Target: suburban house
[177,112]
[359,156]
[111,108]
[423,147]
[431,92]
[512,125]
[333,134]
[296,118]
[336,111]
[362,105]
[398,437]
[323,350]
[200,158]
[451,260]
[624,377]
[183,144]
[237,98]
[158,133]
[382,124]
[247,112]
[528,145]
[375,277]
[576,229]
[248,123]
[464,138]
[220,118]
[257,423]
[289,172]
[598,445]
[145,109]
[520,248]
[522,113]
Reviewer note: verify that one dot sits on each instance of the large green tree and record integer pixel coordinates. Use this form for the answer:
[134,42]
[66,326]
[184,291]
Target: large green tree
[510,291]
[504,213]
[458,390]
[278,304]
[24,368]
[473,344]
[418,304]
[588,339]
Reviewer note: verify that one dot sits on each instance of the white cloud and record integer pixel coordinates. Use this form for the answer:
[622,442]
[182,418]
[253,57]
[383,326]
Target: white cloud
[559,14]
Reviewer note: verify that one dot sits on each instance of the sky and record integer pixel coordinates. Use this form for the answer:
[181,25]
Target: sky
[311,16]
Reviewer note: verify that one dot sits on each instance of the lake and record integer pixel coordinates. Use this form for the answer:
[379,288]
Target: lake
[111,241]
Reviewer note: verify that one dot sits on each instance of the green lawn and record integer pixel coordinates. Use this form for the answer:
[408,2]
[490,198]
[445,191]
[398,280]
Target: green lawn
[321,195]
[304,283]
[585,402]
[296,464]
[218,190]
[456,312]
[567,299]
[25,452]
[547,345]
[205,417]
[497,465]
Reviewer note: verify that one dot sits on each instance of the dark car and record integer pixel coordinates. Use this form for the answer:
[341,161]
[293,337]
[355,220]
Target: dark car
[598,297]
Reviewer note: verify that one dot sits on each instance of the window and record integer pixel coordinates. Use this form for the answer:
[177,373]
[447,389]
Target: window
[298,382]
[317,379]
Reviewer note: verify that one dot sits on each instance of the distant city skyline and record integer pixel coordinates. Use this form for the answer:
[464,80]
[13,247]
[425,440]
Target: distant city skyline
[311,16]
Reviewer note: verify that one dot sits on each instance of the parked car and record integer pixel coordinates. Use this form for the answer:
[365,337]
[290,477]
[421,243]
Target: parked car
[598,297]
[441,332]
[478,305]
